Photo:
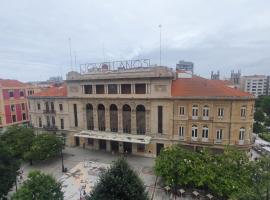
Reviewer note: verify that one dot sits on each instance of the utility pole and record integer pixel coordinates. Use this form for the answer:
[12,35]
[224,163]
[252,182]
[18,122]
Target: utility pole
[160,26]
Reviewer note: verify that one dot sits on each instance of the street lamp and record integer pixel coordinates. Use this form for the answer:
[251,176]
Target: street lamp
[62,156]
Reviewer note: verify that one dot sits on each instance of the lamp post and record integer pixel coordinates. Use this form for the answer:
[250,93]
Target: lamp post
[62,156]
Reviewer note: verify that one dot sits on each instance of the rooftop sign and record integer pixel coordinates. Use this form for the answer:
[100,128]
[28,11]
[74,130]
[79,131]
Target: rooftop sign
[114,65]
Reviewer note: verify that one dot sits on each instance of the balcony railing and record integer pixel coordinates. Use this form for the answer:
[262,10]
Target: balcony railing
[141,131]
[49,111]
[50,128]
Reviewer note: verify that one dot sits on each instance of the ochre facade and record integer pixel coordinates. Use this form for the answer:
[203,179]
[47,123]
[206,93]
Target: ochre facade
[142,102]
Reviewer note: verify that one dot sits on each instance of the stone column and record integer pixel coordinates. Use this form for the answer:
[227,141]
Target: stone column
[120,120]
[147,122]
[107,118]
[108,145]
[133,121]
[95,115]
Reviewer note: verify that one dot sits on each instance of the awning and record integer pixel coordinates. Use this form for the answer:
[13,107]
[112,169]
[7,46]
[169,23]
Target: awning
[120,137]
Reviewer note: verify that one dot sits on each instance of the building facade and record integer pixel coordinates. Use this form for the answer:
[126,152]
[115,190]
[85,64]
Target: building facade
[142,110]
[13,103]
[256,84]
[185,66]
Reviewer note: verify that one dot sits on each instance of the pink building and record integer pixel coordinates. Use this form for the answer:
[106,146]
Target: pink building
[13,103]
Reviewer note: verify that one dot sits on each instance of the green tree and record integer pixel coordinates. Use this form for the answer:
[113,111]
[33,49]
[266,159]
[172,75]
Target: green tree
[18,139]
[259,116]
[231,172]
[44,146]
[258,128]
[8,170]
[119,182]
[39,186]
[266,105]
[178,166]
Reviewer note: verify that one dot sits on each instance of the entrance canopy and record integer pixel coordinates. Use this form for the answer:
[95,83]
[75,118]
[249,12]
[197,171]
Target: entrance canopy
[102,135]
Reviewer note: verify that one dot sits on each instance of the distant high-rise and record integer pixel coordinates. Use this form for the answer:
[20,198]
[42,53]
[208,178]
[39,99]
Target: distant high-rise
[215,76]
[185,65]
[256,84]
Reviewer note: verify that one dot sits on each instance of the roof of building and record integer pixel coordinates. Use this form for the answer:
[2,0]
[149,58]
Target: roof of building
[9,83]
[54,91]
[196,86]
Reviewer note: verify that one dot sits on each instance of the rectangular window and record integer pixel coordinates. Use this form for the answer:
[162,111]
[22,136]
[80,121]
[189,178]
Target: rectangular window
[23,106]
[243,111]
[160,119]
[195,111]
[181,131]
[125,88]
[40,122]
[219,134]
[100,89]
[12,108]
[140,147]
[205,132]
[52,106]
[62,123]
[221,112]
[182,110]
[90,141]
[47,106]
[140,88]
[75,115]
[10,93]
[60,107]
[14,118]
[88,89]
[38,106]
[112,89]
[24,116]
[21,93]
[53,121]
[48,121]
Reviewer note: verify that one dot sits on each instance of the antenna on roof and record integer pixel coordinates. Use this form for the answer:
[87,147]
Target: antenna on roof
[160,26]
[69,39]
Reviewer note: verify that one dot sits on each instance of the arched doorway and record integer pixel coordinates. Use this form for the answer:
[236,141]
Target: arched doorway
[140,120]
[101,117]
[89,117]
[126,113]
[113,118]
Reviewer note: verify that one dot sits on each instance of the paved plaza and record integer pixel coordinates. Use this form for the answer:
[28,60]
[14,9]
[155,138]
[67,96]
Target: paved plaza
[84,167]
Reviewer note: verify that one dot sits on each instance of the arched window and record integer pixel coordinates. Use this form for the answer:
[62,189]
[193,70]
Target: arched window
[101,117]
[89,117]
[140,119]
[113,118]
[126,117]
[242,133]
[195,111]
[194,131]
[205,111]
[205,132]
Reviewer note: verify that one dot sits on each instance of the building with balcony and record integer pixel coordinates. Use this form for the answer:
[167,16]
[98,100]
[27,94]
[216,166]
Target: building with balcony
[13,103]
[141,110]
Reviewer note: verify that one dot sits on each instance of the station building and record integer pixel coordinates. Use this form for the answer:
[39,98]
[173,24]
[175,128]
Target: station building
[141,110]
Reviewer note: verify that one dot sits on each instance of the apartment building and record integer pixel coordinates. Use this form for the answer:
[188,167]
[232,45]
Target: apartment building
[13,103]
[141,110]
[256,84]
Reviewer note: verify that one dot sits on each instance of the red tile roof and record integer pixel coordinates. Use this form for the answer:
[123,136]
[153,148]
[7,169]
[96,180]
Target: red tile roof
[196,86]
[54,91]
[8,83]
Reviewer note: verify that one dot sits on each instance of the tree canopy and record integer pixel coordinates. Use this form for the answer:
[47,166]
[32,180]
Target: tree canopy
[227,175]
[39,186]
[44,146]
[119,182]
[18,139]
[8,170]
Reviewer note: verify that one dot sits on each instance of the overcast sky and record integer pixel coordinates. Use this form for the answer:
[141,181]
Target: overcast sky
[214,34]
